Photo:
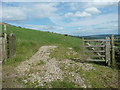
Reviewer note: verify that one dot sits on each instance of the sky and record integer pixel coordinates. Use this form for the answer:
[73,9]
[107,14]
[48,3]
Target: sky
[78,18]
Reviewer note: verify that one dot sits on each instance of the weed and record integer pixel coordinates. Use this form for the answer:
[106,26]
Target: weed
[41,62]
[62,84]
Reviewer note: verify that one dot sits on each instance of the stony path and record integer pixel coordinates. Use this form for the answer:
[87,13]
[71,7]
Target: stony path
[50,70]
[42,54]
[41,69]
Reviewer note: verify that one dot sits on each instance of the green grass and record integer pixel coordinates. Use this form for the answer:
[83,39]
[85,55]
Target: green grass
[52,84]
[24,50]
[44,37]
[65,53]
[0,30]
[28,41]
[62,84]
[102,77]
[41,62]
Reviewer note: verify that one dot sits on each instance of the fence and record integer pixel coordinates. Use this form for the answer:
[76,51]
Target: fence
[3,50]
[0,49]
[101,49]
[11,46]
[7,45]
[117,49]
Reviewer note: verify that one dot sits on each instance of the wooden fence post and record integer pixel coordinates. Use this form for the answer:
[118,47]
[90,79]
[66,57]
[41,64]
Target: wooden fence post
[83,43]
[5,28]
[1,56]
[83,48]
[11,45]
[107,51]
[4,43]
[112,51]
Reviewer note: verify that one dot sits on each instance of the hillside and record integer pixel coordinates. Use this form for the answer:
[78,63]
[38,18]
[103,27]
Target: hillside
[46,59]
[97,36]
[28,38]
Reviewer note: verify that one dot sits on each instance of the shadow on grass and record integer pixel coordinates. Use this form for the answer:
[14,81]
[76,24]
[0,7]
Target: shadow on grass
[78,60]
[102,63]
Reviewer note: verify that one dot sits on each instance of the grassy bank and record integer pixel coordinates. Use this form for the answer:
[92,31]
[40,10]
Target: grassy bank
[28,41]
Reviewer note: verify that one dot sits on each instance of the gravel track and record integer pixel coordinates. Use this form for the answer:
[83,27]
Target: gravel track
[32,71]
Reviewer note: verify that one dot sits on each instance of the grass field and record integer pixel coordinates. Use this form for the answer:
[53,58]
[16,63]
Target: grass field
[28,42]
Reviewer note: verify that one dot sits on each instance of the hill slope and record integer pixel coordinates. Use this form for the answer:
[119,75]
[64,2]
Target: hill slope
[43,66]
[98,36]
[29,41]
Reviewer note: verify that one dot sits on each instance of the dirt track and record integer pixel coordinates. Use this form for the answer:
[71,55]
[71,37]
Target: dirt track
[49,70]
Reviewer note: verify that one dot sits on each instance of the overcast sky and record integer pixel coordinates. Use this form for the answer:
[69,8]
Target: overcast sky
[74,18]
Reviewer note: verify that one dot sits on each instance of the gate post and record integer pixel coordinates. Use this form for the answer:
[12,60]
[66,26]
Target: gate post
[11,45]
[83,48]
[112,51]
[4,43]
[1,56]
[107,51]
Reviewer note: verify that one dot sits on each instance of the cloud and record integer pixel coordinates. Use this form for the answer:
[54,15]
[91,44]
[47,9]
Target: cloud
[60,1]
[100,29]
[80,29]
[45,9]
[82,14]
[100,24]
[0,12]
[69,14]
[10,13]
[74,5]
[86,13]
[78,14]
[106,21]
[92,10]
[96,20]
[101,3]
[107,25]
[42,10]
[44,27]
[13,13]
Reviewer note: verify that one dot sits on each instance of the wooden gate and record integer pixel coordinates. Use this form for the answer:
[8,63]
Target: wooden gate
[98,49]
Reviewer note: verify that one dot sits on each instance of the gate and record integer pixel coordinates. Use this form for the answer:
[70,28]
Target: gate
[99,49]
